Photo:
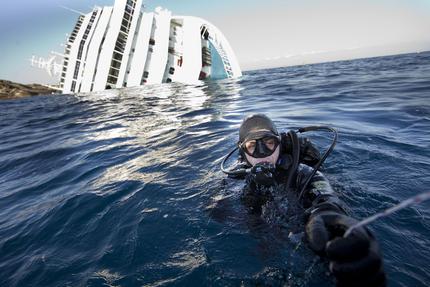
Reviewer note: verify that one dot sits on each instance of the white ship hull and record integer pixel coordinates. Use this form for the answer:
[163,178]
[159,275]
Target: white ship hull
[122,46]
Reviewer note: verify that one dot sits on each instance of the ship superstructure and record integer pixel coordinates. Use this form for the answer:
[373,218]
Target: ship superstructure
[124,46]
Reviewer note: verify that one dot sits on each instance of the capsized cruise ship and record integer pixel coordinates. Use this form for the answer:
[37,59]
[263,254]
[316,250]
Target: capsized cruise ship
[124,46]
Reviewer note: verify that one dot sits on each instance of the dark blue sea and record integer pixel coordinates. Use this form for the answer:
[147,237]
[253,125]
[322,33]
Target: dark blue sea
[123,187]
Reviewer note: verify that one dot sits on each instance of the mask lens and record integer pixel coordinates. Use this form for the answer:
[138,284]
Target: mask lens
[271,143]
[261,147]
[250,146]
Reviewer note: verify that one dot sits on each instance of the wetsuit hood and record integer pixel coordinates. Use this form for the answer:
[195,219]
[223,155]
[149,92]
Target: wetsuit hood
[255,127]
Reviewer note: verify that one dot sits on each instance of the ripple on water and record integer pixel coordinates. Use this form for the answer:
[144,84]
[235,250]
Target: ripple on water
[123,188]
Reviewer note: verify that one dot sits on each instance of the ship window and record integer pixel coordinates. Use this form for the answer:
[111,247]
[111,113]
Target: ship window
[114,72]
[126,23]
[151,42]
[171,70]
[202,75]
[75,74]
[119,48]
[73,86]
[120,45]
[129,9]
[145,74]
[117,56]
[121,42]
[81,48]
[168,80]
[115,64]
[124,29]
[122,37]
[112,80]
[126,13]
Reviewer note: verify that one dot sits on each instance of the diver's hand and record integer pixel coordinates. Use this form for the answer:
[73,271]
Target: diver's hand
[262,174]
[354,260]
[309,153]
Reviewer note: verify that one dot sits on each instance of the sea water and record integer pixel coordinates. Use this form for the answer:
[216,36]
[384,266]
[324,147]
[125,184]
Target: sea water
[123,187]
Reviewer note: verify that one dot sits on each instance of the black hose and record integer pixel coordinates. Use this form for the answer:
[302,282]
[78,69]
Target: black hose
[238,172]
[295,147]
[323,158]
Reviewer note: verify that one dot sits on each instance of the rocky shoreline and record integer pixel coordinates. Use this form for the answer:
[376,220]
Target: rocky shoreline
[11,90]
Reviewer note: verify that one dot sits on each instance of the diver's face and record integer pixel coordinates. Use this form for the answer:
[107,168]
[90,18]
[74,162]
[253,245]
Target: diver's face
[272,159]
[265,149]
[265,146]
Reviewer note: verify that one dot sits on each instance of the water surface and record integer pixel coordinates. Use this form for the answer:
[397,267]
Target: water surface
[123,187]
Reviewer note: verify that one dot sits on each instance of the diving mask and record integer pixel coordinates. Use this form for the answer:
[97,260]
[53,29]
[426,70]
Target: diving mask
[262,147]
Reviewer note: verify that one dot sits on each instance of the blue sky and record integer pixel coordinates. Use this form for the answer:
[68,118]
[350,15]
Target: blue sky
[262,33]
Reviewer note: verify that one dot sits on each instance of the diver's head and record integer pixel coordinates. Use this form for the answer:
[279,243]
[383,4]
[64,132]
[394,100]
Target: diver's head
[259,140]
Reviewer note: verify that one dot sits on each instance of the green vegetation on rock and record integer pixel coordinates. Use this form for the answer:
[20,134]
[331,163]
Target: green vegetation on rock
[10,90]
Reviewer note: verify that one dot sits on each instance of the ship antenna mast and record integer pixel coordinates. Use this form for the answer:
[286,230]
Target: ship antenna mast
[72,10]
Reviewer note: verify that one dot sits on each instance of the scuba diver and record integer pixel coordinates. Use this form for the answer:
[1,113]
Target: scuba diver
[268,158]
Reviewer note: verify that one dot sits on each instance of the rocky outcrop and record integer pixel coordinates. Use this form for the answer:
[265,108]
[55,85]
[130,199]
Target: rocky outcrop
[10,90]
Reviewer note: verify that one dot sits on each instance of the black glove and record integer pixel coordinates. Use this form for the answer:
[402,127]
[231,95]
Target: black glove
[263,174]
[309,154]
[354,260]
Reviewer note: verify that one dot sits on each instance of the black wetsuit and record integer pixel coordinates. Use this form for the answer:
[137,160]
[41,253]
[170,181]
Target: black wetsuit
[355,260]
[318,193]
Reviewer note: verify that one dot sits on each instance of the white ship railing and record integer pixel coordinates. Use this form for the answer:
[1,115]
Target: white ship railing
[221,51]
